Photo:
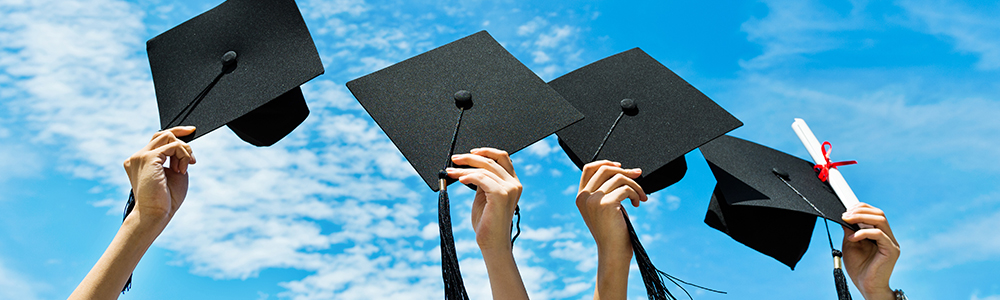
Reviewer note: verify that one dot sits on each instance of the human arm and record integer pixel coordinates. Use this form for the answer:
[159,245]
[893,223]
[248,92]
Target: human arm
[492,210]
[870,263]
[603,185]
[159,191]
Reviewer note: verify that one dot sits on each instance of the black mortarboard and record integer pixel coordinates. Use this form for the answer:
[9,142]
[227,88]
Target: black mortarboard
[666,119]
[765,198]
[641,114]
[238,64]
[413,101]
[466,94]
[769,201]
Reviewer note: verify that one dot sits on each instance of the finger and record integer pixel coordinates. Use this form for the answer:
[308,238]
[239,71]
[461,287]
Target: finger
[484,181]
[881,239]
[867,214]
[619,180]
[621,193]
[878,221]
[591,168]
[500,156]
[865,209]
[181,130]
[177,151]
[604,173]
[482,162]
[183,163]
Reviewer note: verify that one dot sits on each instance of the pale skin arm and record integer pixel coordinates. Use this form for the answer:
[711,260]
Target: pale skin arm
[603,186]
[492,210]
[870,264]
[159,191]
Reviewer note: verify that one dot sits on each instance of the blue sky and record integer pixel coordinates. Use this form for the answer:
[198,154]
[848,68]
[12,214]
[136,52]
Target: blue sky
[907,88]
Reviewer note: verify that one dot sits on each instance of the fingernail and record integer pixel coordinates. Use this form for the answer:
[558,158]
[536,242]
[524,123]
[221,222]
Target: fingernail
[455,156]
[637,170]
[189,127]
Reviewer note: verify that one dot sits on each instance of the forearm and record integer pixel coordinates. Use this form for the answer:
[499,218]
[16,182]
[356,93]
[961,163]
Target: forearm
[505,280]
[106,279]
[612,273]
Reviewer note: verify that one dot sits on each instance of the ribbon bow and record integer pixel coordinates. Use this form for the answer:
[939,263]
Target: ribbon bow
[824,169]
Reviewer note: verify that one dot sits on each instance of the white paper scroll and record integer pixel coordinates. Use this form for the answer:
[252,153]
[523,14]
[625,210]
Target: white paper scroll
[837,181]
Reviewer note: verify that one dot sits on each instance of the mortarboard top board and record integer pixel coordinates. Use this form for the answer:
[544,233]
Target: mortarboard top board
[667,119]
[238,64]
[466,94]
[414,103]
[758,198]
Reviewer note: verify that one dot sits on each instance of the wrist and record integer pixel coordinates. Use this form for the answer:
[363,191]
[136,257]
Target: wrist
[881,293]
[145,224]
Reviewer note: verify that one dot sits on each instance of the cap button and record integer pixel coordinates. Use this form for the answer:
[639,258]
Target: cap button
[463,99]
[628,106]
[229,58]
[780,173]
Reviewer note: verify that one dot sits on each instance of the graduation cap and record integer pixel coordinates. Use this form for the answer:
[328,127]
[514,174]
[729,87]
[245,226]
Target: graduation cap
[641,114]
[769,200]
[239,64]
[466,94]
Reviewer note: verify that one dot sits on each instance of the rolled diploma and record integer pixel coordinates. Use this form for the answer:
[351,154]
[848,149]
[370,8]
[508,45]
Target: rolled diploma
[837,181]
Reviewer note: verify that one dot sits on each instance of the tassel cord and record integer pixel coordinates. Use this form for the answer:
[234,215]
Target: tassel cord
[517,212]
[129,206]
[655,289]
[839,280]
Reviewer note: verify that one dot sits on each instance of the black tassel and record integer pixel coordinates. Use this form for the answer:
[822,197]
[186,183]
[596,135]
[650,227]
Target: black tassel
[128,209]
[454,288]
[655,289]
[838,277]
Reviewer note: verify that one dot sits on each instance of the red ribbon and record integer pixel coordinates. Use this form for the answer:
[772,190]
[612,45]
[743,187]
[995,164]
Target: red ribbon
[824,169]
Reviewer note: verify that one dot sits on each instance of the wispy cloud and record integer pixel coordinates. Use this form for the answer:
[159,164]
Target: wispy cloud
[975,296]
[794,28]
[334,198]
[553,47]
[15,286]
[973,28]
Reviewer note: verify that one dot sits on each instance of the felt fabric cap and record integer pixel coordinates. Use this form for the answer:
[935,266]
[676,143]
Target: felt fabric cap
[229,63]
[667,117]
[414,102]
[753,205]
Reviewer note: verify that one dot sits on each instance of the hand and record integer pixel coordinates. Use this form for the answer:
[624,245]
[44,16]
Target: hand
[870,254]
[492,210]
[159,190]
[603,186]
[497,194]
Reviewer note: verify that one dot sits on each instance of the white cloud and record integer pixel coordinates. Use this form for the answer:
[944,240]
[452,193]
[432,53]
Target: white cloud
[585,257]
[545,234]
[15,286]
[975,296]
[542,148]
[553,47]
[793,28]
[969,241]
[334,198]
[972,29]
